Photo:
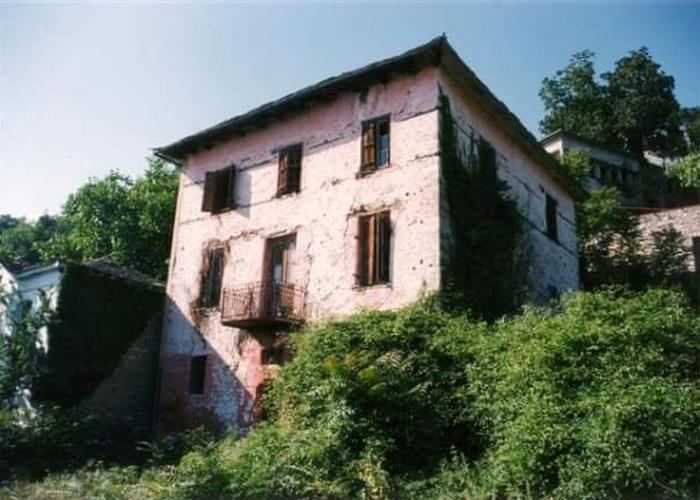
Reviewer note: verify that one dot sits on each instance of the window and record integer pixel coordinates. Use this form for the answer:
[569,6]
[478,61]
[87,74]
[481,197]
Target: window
[212,280]
[375,144]
[198,370]
[551,215]
[374,245]
[289,172]
[696,253]
[219,189]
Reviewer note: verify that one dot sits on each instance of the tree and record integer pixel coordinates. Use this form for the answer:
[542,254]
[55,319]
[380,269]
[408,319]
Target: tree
[21,356]
[609,241]
[128,221]
[645,113]
[577,164]
[691,125]
[633,107]
[574,101]
[20,240]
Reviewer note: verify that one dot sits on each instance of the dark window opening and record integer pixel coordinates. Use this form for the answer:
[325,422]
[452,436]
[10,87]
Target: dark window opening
[551,215]
[272,356]
[374,247]
[696,253]
[213,278]
[289,171]
[219,189]
[198,370]
[375,144]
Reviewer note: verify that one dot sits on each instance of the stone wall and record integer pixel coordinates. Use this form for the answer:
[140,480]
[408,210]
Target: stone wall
[685,220]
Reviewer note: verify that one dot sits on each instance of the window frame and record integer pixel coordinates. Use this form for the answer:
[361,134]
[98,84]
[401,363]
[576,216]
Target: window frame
[286,171]
[219,190]
[367,166]
[197,387]
[374,249]
[206,289]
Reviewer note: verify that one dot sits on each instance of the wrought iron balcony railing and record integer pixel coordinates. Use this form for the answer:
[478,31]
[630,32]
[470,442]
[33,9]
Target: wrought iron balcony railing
[264,303]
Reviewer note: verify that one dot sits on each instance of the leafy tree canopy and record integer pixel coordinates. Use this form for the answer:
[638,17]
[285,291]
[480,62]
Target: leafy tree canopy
[632,107]
[127,220]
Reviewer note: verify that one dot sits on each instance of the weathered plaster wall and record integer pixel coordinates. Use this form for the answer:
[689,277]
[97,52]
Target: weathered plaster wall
[553,265]
[324,217]
[685,220]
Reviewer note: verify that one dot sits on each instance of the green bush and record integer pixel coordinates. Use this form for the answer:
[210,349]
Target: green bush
[596,398]
[598,401]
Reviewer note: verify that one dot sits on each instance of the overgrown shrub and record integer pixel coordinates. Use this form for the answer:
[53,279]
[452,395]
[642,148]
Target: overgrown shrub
[596,398]
[598,401]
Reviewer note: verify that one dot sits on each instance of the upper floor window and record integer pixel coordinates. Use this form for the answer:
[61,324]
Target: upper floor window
[289,171]
[212,278]
[374,248]
[375,144]
[219,189]
[551,216]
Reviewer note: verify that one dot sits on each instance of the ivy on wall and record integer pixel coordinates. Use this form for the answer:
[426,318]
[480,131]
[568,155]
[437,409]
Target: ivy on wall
[99,315]
[483,270]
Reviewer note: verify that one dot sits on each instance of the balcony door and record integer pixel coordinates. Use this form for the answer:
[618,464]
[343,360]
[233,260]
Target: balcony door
[279,275]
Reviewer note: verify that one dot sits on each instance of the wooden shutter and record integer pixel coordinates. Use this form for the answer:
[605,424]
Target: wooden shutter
[231,188]
[368,145]
[383,247]
[362,253]
[294,170]
[282,172]
[209,187]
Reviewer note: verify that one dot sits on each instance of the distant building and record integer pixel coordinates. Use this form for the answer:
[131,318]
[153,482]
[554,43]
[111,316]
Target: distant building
[327,201]
[640,183]
[27,287]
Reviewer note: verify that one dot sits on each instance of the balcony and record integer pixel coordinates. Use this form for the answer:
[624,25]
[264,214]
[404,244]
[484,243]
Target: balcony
[264,304]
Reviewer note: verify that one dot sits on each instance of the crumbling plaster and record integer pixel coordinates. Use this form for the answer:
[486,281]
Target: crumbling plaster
[324,217]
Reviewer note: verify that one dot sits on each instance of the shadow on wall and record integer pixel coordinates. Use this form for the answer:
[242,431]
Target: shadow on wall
[213,379]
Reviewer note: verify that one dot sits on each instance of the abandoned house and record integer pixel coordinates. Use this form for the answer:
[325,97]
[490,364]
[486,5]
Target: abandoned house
[326,201]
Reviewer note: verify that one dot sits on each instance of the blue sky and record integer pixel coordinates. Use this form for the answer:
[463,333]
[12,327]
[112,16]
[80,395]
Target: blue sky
[85,88]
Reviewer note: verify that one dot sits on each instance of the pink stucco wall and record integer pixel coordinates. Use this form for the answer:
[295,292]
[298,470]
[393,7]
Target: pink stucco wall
[323,215]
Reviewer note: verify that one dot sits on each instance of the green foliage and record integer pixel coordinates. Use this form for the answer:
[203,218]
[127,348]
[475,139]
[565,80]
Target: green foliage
[128,221]
[634,107]
[20,241]
[596,398]
[691,125]
[483,270]
[608,241]
[598,401]
[667,262]
[686,171]
[576,102]
[59,440]
[91,330]
[577,163]
[21,356]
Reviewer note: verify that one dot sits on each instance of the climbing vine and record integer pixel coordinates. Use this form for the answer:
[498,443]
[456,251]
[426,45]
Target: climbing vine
[483,270]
